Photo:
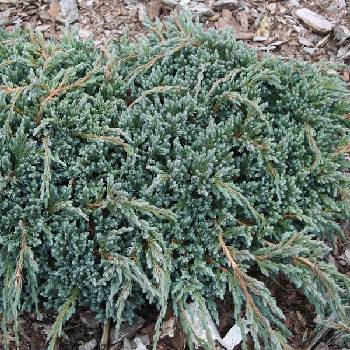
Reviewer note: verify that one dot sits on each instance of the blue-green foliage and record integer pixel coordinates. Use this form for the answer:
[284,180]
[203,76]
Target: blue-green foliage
[166,171]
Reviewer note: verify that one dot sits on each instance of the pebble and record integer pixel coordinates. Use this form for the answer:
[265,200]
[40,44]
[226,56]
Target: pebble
[170,3]
[153,9]
[43,27]
[214,18]
[226,13]
[142,12]
[292,3]
[4,20]
[341,33]
[200,9]
[68,11]
[168,328]
[84,34]
[127,344]
[315,21]
[310,50]
[90,345]
[197,8]
[260,38]
[305,41]
[89,319]
[228,4]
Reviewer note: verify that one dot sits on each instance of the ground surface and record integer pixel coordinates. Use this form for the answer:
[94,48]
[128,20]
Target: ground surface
[269,26]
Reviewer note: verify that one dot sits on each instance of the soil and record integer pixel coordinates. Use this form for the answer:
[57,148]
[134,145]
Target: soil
[268,26]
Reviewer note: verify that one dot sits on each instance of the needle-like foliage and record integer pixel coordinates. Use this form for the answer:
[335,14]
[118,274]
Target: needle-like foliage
[178,168]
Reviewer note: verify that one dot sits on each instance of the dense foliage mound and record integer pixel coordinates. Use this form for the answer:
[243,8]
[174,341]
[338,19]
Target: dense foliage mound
[176,169]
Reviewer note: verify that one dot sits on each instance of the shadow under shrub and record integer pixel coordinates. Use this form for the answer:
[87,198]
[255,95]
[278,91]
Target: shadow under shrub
[162,172]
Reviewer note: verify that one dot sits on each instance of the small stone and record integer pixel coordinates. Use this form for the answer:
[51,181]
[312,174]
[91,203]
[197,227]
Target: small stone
[43,27]
[145,339]
[134,10]
[292,4]
[223,23]
[214,18]
[293,42]
[315,21]
[272,7]
[130,3]
[54,9]
[332,261]
[5,14]
[346,75]
[126,344]
[108,17]
[244,36]
[90,345]
[4,17]
[344,52]
[171,3]
[305,41]
[89,319]
[40,316]
[283,9]
[126,331]
[168,328]
[153,9]
[201,323]
[342,262]
[260,38]
[277,43]
[336,6]
[199,9]
[84,34]
[242,17]
[310,50]
[225,13]
[142,12]
[124,11]
[68,11]
[341,33]
[232,338]
[141,342]
[139,345]
[44,15]
[322,346]
[228,4]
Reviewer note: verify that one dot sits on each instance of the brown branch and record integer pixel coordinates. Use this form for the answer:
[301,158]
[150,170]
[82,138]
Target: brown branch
[95,205]
[227,252]
[19,266]
[60,90]
[115,140]
[344,149]
[311,266]
[10,90]
[105,334]
[240,276]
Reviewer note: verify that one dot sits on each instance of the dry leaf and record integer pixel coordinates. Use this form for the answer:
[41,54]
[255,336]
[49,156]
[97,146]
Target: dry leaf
[264,27]
[153,9]
[243,20]
[54,9]
[168,328]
